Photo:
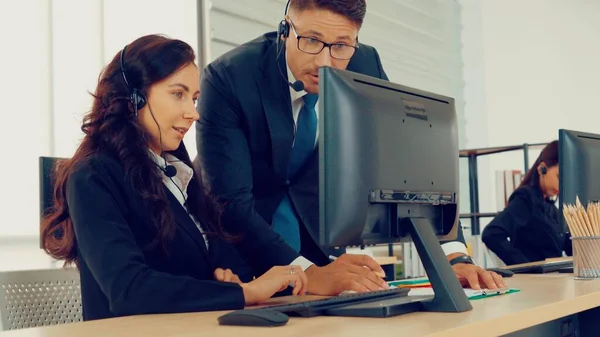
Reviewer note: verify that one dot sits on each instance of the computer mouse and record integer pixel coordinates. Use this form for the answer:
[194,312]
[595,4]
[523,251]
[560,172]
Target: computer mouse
[501,272]
[254,317]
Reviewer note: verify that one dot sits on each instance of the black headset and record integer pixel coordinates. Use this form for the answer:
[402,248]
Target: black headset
[544,171]
[136,96]
[138,100]
[283,30]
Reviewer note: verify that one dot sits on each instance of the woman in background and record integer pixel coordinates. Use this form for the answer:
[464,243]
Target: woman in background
[531,221]
[129,209]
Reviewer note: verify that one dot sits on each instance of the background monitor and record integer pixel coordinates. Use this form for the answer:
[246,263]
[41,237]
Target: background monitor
[579,160]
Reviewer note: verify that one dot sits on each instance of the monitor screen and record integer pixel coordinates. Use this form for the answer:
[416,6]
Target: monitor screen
[579,160]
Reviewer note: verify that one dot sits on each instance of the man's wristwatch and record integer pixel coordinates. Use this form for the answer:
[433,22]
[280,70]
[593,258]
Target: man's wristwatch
[462,259]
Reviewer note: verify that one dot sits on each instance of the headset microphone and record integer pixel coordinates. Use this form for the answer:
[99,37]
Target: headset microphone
[298,85]
[170,171]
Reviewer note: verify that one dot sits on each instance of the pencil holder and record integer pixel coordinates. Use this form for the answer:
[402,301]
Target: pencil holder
[586,257]
[584,225]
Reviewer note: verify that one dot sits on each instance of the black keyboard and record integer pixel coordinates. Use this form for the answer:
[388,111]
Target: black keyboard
[540,268]
[317,307]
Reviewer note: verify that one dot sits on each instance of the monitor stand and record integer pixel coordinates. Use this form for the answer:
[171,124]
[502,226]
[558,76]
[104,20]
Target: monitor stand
[449,295]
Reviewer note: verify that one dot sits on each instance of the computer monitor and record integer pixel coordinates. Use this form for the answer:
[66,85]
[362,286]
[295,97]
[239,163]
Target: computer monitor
[388,171]
[579,160]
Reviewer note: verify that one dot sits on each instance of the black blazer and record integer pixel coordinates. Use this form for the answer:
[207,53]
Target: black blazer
[244,139]
[533,226]
[118,277]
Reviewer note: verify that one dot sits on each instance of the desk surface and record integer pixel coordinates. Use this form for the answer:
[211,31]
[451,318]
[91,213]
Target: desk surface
[542,298]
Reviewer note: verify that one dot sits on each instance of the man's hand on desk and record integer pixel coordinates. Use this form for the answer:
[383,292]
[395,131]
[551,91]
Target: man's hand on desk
[475,277]
[347,272]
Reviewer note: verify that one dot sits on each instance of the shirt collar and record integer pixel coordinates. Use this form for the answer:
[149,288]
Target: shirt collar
[184,172]
[294,95]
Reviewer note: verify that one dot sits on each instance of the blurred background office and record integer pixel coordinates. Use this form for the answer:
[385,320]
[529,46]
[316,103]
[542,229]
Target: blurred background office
[519,71]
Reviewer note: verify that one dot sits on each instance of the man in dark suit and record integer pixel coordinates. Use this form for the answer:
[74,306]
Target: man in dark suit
[257,137]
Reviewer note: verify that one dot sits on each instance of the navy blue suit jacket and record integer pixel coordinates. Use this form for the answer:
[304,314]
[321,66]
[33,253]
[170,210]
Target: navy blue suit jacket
[118,277]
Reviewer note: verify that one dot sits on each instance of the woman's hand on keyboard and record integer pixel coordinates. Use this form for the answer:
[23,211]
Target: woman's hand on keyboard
[274,281]
[226,275]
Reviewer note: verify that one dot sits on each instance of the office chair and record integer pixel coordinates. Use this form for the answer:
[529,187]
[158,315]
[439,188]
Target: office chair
[32,298]
[47,167]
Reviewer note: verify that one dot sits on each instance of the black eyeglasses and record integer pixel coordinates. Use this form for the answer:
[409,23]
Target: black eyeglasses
[314,46]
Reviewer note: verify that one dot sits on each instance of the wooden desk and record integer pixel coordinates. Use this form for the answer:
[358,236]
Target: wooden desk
[543,298]
[385,260]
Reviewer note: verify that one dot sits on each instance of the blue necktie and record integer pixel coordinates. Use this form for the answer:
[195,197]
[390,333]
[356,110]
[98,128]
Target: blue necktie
[285,221]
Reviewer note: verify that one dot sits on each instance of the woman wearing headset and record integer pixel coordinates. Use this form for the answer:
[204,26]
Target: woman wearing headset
[130,211]
[531,221]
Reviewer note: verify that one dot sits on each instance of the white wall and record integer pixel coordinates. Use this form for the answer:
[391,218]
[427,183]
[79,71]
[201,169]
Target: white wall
[25,97]
[542,69]
[531,67]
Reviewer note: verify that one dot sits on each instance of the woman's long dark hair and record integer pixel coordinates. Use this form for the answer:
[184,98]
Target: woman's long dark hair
[110,128]
[548,156]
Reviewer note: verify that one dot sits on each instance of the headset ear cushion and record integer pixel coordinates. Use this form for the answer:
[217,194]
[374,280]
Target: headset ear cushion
[138,100]
[283,30]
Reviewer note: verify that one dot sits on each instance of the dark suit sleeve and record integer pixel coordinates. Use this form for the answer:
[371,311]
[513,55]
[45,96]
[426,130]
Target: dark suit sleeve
[496,233]
[382,73]
[107,245]
[227,170]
